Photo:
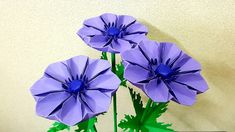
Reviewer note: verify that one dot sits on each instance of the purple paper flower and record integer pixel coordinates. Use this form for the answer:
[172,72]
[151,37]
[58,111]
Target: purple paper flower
[164,72]
[112,33]
[75,90]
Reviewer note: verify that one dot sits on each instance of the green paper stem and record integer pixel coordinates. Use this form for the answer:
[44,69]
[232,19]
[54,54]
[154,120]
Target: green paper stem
[146,109]
[113,59]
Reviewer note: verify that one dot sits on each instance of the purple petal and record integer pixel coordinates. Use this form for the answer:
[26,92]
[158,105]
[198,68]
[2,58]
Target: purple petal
[71,112]
[46,85]
[97,101]
[157,91]
[109,18]
[88,31]
[125,20]
[97,67]
[136,74]
[135,38]
[77,65]
[108,81]
[135,56]
[120,45]
[95,23]
[183,94]
[168,51]
[136,28]
[58,71]
[193,80]
[150,49]
[98,41]
[45,106]
[186,63]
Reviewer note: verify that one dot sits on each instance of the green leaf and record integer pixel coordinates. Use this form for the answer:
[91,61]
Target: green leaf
[137,102]
[145,119]
[129,124]
[120,74]
[87,126]
[104,56]
[155,111]
[57,126]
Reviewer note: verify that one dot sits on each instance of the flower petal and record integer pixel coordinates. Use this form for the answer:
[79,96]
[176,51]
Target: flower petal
[137,28]
[183,94]
[45,106]
[88,31]
[95,23]
[168,51]
[108,81]
[98,41]
[135,56]
[58,71]
[46,85]
[97,101]
[125,20]
[195,81]
[186,63]
[120,45]
[77,65]
[109,18]
[135,74]
[71,112]
[157,91]
[150,49]
[97,67]
[135,38]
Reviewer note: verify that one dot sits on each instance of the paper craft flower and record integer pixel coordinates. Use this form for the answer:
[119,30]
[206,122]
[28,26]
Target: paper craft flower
[112,33]
[75,90]
[164,72]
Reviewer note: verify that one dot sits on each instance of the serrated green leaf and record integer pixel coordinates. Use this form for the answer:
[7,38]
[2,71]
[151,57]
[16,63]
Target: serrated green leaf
[137,102]
[104,56]
[120,74]
[57,126]
[130,123]
[157,127]
[145,119]
[155,111]
[87,126]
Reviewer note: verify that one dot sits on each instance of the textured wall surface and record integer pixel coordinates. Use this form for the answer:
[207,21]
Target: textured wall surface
[36,33]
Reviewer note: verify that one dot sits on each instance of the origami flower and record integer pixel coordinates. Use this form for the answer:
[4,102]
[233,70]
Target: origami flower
[164,72]
[75,90]
[112,33]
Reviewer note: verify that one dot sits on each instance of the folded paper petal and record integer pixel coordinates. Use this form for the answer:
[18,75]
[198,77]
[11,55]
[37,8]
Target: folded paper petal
[135,57]
[194,81]
[47,105]
[58,71]
[157,90]
[135,74]
[109,18]
[95,23]
[183,94]
[99,104]
[69,111]
[120,45]
[46,85]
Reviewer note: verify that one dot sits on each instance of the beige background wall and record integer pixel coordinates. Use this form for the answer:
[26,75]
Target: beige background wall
[35,33]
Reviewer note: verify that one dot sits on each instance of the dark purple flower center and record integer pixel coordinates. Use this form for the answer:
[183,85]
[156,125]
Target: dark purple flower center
[113,31]
[75,86]
[164,71]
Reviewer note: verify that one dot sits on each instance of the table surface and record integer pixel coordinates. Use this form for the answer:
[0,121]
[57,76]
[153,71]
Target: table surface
[36,33]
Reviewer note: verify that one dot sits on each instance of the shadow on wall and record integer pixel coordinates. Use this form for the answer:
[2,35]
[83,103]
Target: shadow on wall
[206,108]
[160,36]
